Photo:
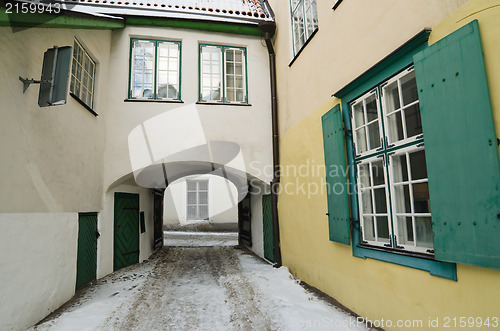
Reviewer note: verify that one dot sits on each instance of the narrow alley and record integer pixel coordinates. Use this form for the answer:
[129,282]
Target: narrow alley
[199,288]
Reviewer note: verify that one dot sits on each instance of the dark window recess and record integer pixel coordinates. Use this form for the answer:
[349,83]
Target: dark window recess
[142,222]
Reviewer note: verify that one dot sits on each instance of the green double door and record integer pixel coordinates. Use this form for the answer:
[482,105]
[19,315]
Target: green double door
[126,234]
[86,263]
[268,228]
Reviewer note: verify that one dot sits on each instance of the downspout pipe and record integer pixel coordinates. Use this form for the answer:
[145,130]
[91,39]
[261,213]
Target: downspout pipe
[268,28]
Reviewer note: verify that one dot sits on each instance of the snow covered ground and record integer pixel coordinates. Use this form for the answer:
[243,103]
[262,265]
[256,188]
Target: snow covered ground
[199,288]
[199,239]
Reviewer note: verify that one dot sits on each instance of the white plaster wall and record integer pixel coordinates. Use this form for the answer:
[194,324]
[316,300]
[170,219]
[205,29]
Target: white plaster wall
[222,201]
[105,243]
[54,154]
[248,126]
[38,265]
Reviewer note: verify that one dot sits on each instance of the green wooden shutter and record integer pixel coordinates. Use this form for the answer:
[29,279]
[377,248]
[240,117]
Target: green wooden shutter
[336,180]
[461,149]
[267,219]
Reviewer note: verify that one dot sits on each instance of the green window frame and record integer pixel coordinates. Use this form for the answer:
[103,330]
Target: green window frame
[155,69]
[83,71]
[223,74]
[304,23]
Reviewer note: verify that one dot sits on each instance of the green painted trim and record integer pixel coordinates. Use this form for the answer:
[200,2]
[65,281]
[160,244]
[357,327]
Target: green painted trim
[196,25]
[56,21]
[390,66]
[397,59]
[155,78]
[223,50]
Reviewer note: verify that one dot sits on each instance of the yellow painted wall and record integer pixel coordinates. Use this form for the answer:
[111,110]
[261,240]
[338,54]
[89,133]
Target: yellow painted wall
[372,288]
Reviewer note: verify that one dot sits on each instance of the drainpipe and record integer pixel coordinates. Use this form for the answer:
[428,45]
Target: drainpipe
[268,29]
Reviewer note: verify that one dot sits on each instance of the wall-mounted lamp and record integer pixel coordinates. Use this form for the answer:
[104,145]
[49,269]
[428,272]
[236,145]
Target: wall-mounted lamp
[55,77]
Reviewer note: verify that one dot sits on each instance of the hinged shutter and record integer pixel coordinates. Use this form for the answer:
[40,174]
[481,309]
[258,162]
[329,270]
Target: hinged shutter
[336,180]
[461,149]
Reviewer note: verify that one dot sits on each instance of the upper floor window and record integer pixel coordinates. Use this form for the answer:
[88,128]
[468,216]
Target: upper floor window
[304,18]
[393,188]
[155,70]
[82,76]
[223,76]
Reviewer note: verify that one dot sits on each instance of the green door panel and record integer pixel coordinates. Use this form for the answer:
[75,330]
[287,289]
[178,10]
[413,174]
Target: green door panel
[126,238]
[86,261]
[267,218]
[461,149]
[336,179]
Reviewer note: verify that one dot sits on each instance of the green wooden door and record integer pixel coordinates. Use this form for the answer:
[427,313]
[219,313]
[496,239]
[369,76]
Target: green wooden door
[268,228]
[126,239]
[86,262]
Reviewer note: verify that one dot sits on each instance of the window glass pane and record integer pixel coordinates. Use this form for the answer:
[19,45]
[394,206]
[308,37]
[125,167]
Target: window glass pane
[203,185]
[366,202]
[402,199]
[203,210]
[421,201]
[399,167]
[203,198]
[374,135]
[405,230]
[409,87]
[191,212]
[423,229]
[148,91]
[191,198]
[382,229]
[191,186]
[378,173]
[391,93]
[380,201]
[364,175]
[371,108]
[395,127]
[418,166]
[359,117]
[368,228]
[361,140]
[413,121]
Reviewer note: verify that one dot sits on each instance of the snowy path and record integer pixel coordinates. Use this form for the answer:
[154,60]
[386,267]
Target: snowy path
[199,288]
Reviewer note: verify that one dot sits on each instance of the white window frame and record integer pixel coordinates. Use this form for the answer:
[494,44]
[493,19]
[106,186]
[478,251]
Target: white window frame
[300,5]
[388,152]
[222,75]
[362,100]
[197,204]
[77,85]
[401,109]
[156,69]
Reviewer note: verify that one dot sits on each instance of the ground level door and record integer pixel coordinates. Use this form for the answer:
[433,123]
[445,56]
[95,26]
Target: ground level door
[158,218]
[126,239]
[267,217]
[86,261]
[244,221]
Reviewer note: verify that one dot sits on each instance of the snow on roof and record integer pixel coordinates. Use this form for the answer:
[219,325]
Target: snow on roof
[239,11]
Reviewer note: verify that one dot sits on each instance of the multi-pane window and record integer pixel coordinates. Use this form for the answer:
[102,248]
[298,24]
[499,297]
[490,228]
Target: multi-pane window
[393,191]
[304,19]
[223,74]
[155,70]
[82,75]
[197,199]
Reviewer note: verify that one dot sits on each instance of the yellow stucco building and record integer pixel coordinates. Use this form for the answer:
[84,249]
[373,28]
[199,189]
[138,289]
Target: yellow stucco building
[370,240]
